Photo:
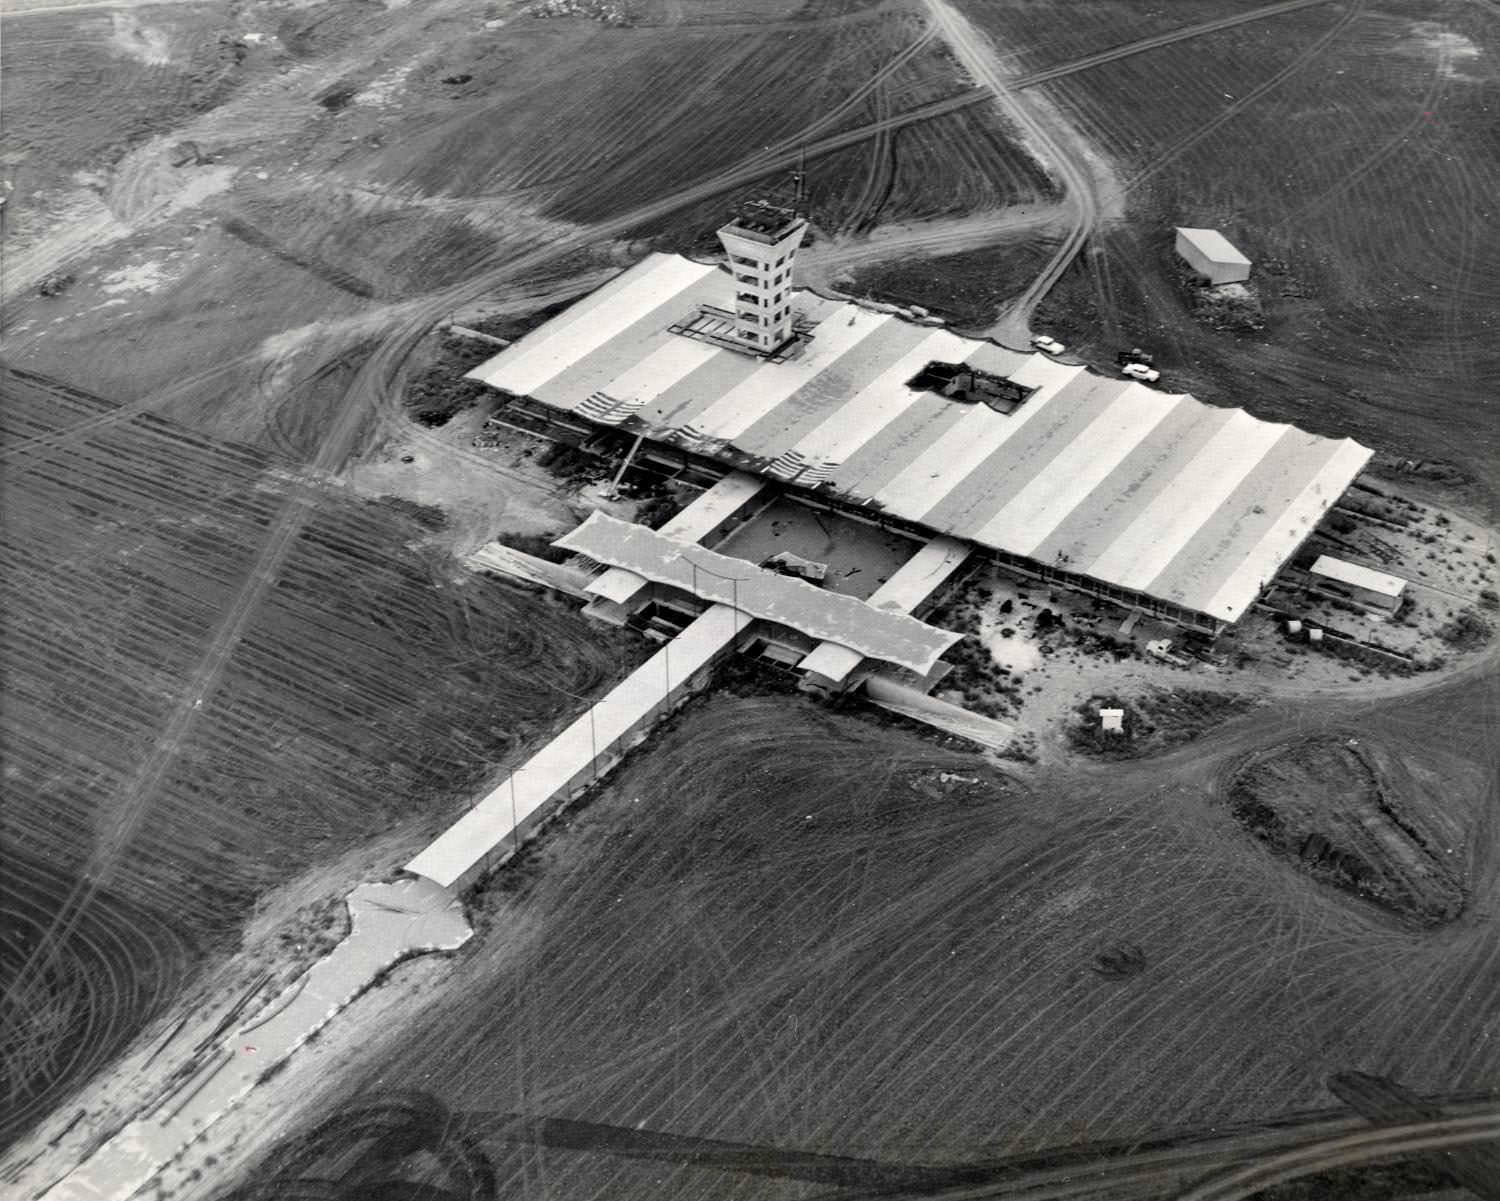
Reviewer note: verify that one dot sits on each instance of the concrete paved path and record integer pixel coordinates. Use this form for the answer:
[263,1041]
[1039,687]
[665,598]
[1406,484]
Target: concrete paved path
[388,923]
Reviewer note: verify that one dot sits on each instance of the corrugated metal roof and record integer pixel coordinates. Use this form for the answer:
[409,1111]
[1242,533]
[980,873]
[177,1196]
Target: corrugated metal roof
[1214,246]
[1147,490]
[829,616]
[1359,576]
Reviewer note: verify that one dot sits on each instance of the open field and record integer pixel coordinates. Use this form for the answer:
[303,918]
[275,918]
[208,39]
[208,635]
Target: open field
[809,936]
[352,159]
[803,934]
[375,684]
[1382,327]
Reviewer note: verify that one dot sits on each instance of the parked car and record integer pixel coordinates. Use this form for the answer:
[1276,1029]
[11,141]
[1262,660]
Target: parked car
[1141,372]
[1050,345]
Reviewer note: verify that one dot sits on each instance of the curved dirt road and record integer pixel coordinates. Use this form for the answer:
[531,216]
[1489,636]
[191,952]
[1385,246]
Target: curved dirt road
[1084,193]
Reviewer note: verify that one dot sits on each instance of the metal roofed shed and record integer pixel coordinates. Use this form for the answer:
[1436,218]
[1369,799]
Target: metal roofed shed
[1376,589]
[1212,256]
[1143,497]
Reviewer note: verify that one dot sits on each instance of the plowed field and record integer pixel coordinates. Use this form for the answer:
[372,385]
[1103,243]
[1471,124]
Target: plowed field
[375,685]
[785,945]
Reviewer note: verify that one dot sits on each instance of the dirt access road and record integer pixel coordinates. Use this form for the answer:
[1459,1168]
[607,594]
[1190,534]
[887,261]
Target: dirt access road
[1090,191]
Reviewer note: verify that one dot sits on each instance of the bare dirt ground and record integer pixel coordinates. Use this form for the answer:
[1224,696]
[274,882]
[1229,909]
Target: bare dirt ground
[369,687]
[808,938]
[804,936]
[229,241]
[1381,327]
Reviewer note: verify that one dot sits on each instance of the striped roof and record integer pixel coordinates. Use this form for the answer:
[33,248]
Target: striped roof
[1145,490]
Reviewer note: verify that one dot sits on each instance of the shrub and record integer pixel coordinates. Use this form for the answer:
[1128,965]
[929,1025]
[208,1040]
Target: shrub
[571,464]
[1467,631]
[538,545]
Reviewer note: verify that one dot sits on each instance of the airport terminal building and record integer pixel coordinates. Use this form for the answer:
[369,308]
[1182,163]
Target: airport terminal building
[1148,499]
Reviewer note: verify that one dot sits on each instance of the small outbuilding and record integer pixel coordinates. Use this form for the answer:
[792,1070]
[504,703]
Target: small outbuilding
[1212,255]
[1364,585]
[1112,721]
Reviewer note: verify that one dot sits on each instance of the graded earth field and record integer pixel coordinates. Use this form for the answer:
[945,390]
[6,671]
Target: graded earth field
[157,780]
[804,935]
[786,952]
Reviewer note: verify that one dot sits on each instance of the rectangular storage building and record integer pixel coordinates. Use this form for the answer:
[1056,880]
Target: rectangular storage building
[1364,585]
[1212,255]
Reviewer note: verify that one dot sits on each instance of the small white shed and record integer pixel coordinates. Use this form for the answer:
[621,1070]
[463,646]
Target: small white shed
[1112,721]
[1371,588]
[1212,255]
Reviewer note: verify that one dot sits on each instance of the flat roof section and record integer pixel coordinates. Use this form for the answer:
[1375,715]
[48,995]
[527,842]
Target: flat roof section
[1128,486]
[695,522]
[1214,246]
[1356,575]
[916,579]
[827,616]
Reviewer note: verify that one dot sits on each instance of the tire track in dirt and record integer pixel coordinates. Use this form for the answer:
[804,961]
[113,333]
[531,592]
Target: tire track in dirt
[878,178]
[1159,40]
[119,968]
[978,58]
[329,273]
[1385,1142]
[1393,145]
[1314,51]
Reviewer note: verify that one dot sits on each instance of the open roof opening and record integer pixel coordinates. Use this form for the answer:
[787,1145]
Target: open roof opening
[970,385]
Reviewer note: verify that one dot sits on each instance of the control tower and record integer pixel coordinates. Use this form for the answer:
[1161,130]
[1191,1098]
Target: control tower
[762,242]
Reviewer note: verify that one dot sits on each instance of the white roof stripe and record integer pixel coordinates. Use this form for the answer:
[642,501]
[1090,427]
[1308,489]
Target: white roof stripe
[746,403]
[879,403]
[1264,559]
[949,459]
[1073,474]
[550,355]
[1164,527]
[659,370]
[1200,488]
[922,457]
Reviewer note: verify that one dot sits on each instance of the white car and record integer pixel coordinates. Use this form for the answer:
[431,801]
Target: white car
[1050,345]
[1141,372]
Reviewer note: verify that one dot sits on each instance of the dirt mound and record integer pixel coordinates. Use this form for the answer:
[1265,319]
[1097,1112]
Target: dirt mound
[1331,804]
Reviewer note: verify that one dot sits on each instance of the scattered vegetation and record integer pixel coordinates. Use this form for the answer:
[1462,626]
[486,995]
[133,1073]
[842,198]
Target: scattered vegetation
[1154,721]
[1467,631]
[537,545]
[438,392]
[572,465]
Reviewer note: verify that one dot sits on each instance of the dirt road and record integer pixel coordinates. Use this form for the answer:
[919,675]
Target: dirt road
[829,259]
[1086,193]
